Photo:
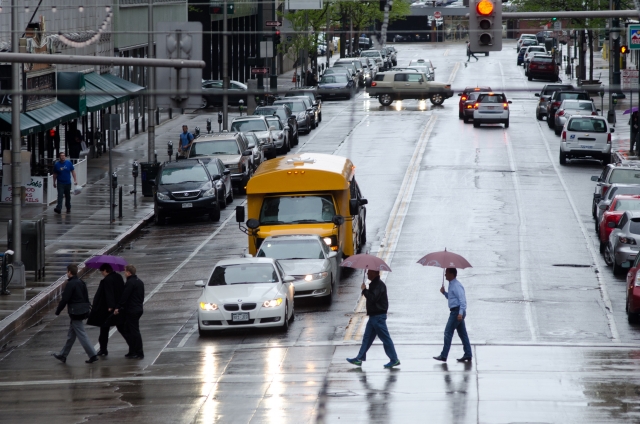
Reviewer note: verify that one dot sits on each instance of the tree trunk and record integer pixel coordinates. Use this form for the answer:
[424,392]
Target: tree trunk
[590,35]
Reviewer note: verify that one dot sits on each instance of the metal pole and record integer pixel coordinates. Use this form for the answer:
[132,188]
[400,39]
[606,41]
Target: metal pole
[225,69]
[328,38]
[16,147]
[111,194]
[120,202]
[151,102]
[100,60]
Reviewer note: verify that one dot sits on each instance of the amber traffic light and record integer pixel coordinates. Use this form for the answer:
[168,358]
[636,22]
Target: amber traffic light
[624,50]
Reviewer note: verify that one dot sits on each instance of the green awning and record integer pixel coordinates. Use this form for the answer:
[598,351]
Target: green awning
[73,82]
[108,87]
[96,99]
[131,88]
[27,125]
[52,116]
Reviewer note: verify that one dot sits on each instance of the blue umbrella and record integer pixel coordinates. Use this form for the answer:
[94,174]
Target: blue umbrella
[116,262]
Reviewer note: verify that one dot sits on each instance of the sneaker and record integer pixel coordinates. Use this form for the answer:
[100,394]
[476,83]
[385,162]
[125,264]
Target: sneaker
[60,358]
[354,361]
[91,360]
[392,364]
[56,210]
[440,358]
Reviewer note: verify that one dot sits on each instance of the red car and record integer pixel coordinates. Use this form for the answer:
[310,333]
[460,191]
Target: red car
[612,215]
[464,96]
[633,292]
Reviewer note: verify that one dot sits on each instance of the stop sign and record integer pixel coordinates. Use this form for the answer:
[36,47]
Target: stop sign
[437,14]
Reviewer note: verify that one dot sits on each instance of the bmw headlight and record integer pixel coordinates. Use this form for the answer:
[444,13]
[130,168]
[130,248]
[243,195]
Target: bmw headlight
[209,193]
[162,196]
[208,306]
[316,276]
[272,303]
[280,136]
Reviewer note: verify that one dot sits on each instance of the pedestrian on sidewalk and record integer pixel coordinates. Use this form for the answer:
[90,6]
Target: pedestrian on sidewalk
[76,298]
[331,48]
[633,142]
[105,301]
[63,170]
[186,138]
[75,145]
[457,314]
[377,306]
[470,53]
[130,305]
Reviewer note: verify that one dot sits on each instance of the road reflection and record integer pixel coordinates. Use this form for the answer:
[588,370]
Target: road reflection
[457,386]
[379,399]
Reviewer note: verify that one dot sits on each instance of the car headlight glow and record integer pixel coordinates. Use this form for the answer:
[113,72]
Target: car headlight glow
[316,276]
[162,196]
[208,306]
[272,303]
[327,240]
[209,193]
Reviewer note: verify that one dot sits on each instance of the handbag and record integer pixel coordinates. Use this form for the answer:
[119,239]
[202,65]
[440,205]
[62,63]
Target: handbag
[79,308]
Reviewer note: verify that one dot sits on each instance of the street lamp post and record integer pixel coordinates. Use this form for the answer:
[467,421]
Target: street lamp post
[614,71]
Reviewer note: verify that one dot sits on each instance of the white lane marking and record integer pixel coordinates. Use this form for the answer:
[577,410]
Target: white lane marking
[602,284]
[186,336]
[453,73]
[394,224]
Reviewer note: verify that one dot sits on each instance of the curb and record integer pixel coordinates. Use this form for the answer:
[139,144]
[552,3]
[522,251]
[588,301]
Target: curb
[23,316]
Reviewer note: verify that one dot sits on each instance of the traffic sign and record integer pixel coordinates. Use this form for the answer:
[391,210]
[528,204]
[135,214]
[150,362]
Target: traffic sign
[273,23]
[262,71]
[437,14]
[557,26]
[634,37]
[629,79]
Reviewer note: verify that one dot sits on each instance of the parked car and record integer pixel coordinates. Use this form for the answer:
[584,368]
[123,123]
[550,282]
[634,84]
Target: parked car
[545,94]
[332,86]
[611,216]
[308,259]
[491,108]
[543,67]
[253,144]
[312,94]
[258,125]
[523,37]
[280,133]
[212,92]
[424,62]
[356,64]
[585,136]
[632,303]
[286,116]
[610,175]
[623,246]
[183,188]
[342,71]
[245,293]
[309,105]
[569,108]
[400,85]
[221,177]
[528,54]
[605,201]
[464,96]
[556,99]
[375,55]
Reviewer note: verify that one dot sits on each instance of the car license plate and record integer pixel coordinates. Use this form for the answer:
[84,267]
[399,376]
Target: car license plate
[240,317]
[187,205]
[491,107]
[584,146]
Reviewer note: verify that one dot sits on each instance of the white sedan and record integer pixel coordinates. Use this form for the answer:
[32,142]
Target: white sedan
[243,293]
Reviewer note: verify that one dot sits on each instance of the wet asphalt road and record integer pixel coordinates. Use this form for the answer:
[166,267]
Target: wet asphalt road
[546,317]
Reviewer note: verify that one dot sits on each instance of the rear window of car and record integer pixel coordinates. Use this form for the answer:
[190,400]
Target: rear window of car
[549,89]
[627,205]
[569,95]
[492,98]
[634,226]
[536,49]
[625,176]
[578,105]
[547,59]
[588,125]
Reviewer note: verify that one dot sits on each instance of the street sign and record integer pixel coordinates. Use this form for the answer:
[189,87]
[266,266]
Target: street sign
[557,26]
[273,23]
[634,37]
[261,71]
[266,49]
[437,14]
[629,79]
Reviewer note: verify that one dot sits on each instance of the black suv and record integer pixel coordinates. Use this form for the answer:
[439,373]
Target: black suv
[545,94]
[556,99]
[184,188]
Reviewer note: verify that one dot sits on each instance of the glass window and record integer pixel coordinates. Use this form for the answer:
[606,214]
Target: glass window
[183,175]
[275,122]
[634,226]
[243,274]
[400,77]
[623,221]
[627,205]
[291,249]
[492,98]
[249,125]
[588,125]
[298,106]
[379,77]
[415,77]
[296,210]
[214,147]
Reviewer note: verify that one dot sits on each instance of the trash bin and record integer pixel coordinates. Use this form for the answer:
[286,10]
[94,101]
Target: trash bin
[32,245]
[148,171]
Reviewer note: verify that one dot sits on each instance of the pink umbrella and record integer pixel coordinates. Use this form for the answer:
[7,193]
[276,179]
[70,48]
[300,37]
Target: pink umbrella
[444,260]
[365,261]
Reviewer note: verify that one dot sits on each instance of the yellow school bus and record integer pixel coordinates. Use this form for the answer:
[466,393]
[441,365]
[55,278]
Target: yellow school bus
[311,193]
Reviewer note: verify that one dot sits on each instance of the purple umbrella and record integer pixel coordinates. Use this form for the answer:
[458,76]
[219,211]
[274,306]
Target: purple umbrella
[628,111]
[116,262]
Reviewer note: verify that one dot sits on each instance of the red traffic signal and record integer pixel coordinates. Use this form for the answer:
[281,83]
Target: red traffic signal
[52,132]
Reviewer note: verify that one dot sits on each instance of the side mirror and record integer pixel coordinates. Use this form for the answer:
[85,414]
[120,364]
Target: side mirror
[611,224]
[288,279]
[332,254]
[595,178]
[364,202]
[239,214]
[253,223]
[354,207]
[537,94]
[338,220]
[199,283]
[612,130]
[272,128]
[216,178]
[459,94]
[226,172]
[247,153]
[510,102]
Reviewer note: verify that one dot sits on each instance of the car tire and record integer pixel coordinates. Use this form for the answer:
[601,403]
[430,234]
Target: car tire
[320,117]
[385,100]
[602,246]
[293,312]
[204,333]
[466,120]
[606,160]
[222,201]
[476,124]
[214,215]
[558,131]
[460,115]
[229,199]
[593,209]
[550,123]
[538,117]
[313,124]
[563,158]
[328,300]
[437,99]
[159,218]
[363,236]
[632,318]
[529,78]
[285,323]
[506,124]
[607,255]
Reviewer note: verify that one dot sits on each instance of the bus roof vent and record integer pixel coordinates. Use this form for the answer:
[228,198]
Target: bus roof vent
[300,160]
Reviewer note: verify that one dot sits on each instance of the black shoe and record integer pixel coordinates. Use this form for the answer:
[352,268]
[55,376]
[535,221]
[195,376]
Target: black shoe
[465,359]
[130,355]
[56,210]
[102,352]
[440,358]
[68,210]
[60,358]
[91,360]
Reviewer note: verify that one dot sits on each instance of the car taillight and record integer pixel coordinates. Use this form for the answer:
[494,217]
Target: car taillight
[594,113]
[609,138]
[505,106]
[463,98]
[636,281]
[532,65]
[564,136]
[475,106]
[561,113]
[542,100]
[373,84]
[556,104]
[626,240]
[469,106]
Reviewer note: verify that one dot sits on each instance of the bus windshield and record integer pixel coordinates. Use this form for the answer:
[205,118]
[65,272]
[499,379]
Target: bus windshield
[296,210]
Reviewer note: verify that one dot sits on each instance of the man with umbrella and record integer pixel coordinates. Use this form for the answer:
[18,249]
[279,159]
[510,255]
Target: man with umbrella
[105,302]
[458,311]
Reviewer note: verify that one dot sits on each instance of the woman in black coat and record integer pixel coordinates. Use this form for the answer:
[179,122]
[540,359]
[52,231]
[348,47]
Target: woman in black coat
[104,302]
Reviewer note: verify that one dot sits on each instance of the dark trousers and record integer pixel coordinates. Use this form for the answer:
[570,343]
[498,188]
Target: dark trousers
[452,325]
[132,333]
[103,338]
[377,326]
[64,190]
[633,142]
[76,330]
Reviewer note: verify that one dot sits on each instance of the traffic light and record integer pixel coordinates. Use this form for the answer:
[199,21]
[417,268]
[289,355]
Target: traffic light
[276,38]
[624,50]
[485,26]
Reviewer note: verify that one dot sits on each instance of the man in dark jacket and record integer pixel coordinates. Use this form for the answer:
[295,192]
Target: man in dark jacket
[75,295]
[130,305]
[105,302]
[377,305]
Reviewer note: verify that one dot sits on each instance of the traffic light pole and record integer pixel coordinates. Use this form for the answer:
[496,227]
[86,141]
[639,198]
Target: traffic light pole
[151,100]
[225,69]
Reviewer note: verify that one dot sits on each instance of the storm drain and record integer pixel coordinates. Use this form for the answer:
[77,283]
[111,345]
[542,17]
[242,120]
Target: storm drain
[573,265]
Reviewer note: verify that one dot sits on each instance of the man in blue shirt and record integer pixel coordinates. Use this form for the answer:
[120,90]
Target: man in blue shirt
[63,170]
[458,308]
[185,141]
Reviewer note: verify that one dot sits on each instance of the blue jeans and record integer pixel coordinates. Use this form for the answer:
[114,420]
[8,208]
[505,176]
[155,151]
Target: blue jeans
[377,326]
[454,324]
[64,190]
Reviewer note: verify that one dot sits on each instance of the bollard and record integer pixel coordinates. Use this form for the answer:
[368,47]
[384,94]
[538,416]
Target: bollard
[134,172]
[241,102]
[114,184]
[120,203]
[219,121]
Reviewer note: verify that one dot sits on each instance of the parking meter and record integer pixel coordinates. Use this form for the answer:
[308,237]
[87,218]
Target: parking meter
[196,132]
[208,125]
[241,102]
[219,121]
[134,169]
[170,149]
[134,172]
[114,180]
